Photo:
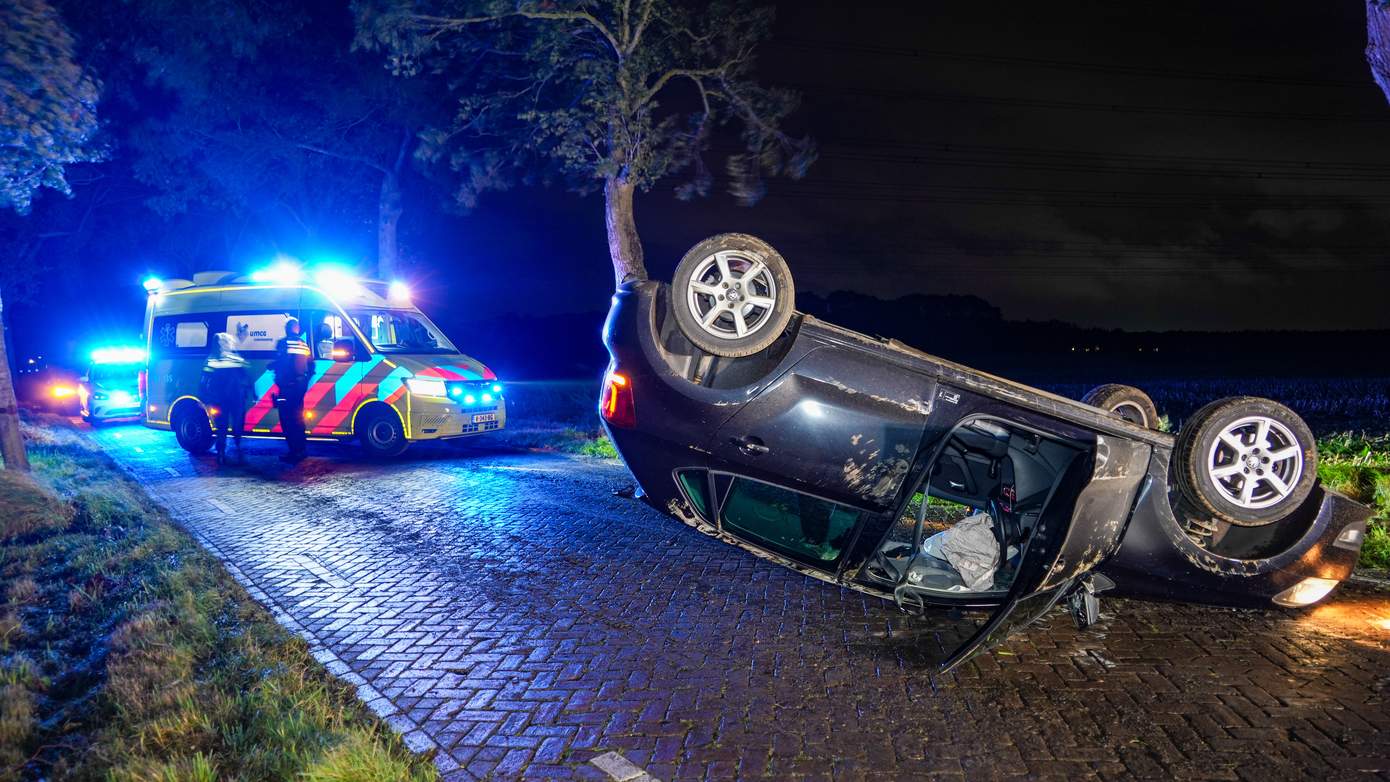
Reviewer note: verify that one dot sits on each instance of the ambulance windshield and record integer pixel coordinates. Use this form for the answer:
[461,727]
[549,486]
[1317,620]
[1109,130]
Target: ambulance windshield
[401,331]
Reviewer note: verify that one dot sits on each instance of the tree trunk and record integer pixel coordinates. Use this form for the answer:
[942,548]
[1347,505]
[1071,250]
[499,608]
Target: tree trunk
[1378,44]
[624,245]
[388,217]
[11,438]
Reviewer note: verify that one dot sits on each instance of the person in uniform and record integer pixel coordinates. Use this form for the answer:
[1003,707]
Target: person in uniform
[294,365]
[226,386]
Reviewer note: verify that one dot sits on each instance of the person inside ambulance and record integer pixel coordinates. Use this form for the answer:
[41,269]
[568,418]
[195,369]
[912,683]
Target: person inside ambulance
[293,366]
[323,346]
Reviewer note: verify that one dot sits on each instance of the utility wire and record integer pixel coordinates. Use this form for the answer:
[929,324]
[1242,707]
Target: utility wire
[1071,65]
[1114,108]
[1065,160]
[867,191]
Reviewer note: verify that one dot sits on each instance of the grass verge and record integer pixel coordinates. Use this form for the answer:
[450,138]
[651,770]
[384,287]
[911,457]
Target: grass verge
[128,653]
[565,439]
[1358,465]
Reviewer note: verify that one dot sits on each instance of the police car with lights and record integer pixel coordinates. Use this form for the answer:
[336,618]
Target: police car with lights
[110,390]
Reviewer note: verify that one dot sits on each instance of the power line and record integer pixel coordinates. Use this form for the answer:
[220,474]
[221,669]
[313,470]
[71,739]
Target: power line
[1127,70]
[1068,162]
[1144,156]
[871,191]
[1115,108]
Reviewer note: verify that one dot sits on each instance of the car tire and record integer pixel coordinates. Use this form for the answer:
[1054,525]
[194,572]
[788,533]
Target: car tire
[192,429]
[381,433]
[1246,460]
[733,295]
[1126,402]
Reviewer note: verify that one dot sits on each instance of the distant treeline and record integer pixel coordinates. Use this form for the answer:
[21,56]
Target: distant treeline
[969,330]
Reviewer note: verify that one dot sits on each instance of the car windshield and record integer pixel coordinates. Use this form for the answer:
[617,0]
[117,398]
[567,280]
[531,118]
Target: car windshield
[115,375]
[402,331]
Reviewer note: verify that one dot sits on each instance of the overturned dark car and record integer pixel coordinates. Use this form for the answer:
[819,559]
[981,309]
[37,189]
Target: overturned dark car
[971,501]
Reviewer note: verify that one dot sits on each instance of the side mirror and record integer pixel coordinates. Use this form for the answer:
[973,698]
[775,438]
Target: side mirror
[345,349]
[84,379]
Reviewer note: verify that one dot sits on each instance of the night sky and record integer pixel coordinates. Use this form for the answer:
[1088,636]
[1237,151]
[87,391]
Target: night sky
[1180,165]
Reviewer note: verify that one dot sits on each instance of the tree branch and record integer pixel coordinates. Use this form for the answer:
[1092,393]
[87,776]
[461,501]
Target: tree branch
[690,73]
[341,156]
[441,23]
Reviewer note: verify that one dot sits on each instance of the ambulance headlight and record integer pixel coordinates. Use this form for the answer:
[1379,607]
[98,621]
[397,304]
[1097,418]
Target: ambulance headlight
[426,386]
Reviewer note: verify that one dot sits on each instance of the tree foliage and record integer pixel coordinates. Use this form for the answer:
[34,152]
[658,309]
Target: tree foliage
[1378,43]
[264,112]
[598,93]
[48,103]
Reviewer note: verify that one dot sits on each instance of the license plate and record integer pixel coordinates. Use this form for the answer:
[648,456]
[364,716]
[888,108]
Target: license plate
[482,418]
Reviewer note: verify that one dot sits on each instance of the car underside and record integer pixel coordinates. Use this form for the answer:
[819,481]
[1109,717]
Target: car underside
[872,465]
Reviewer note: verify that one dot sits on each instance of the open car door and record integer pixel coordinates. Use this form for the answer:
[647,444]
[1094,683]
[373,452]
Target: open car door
[1079,526]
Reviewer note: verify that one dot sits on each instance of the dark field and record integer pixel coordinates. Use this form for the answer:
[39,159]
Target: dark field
[1329,405]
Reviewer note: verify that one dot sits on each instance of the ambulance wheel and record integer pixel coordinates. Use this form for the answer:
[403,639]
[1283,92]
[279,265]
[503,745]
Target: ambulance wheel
[381,432]
[192,429]
[733,295]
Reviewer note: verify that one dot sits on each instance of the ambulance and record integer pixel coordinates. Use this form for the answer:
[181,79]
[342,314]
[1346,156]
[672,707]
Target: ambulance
[384,374]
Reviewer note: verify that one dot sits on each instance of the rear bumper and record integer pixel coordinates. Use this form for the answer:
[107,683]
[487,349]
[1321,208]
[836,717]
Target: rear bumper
[1156,559]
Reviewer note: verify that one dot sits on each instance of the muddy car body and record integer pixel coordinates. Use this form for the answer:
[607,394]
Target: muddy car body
[828,450]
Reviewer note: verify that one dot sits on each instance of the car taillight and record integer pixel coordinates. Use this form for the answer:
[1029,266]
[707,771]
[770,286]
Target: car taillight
[615,404]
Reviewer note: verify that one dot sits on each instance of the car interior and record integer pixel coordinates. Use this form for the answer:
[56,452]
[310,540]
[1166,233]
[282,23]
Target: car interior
[1000,476]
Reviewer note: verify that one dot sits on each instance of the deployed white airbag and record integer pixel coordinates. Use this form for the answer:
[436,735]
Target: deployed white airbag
[970,548]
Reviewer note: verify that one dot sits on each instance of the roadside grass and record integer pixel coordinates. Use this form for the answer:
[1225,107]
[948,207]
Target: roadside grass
[128,653]
[1358,465]
[583,442]
[555,416]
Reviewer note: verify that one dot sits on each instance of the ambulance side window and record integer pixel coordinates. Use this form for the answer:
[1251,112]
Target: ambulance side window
[327,327]
[180,335]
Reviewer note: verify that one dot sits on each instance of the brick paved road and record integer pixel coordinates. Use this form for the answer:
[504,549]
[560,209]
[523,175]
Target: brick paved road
[511,611]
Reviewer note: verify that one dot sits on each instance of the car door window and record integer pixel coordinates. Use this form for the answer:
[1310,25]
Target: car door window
[984,492]
[694,484]
[796,525]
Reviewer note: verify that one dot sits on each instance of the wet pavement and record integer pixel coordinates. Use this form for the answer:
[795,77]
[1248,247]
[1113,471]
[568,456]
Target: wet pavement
[510,612]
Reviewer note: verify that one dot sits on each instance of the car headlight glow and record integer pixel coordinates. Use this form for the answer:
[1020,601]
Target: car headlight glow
[1306,592]
[426,386]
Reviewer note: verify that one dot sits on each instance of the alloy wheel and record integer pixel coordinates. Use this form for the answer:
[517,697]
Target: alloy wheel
[732,294]
[1255,462]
